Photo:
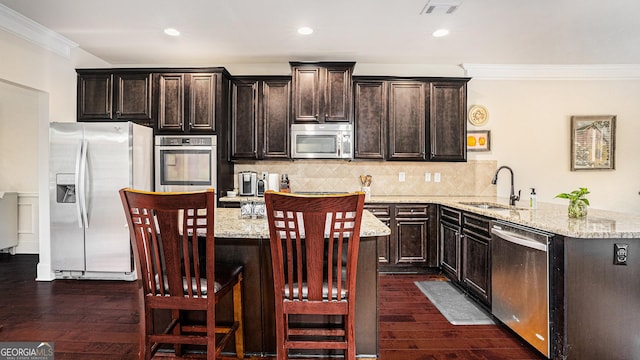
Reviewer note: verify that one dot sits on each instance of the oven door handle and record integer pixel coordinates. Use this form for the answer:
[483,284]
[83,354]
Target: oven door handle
[514,238]
[183,148]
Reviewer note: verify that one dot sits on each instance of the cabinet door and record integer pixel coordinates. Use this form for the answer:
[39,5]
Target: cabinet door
[370,105]
[171,102]
[244,120]
[477,266]
[411,240]
[448,121]
[322,92]
[384,246]
[450,249]
[407,120]
[383,213]
[133,97]
[202,100]
[275,119]
[336,100]
[94,97]
[306,93]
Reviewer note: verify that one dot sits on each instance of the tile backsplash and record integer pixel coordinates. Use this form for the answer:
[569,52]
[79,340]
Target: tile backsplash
[456,179]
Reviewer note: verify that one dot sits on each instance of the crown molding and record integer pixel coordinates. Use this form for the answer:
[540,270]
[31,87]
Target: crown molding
[552,72]
[21,26]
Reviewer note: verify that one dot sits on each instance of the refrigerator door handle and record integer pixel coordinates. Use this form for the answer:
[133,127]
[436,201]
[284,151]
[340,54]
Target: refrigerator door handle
[77,185]
[83,183]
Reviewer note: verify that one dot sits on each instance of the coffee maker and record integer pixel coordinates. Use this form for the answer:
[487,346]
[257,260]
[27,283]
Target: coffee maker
[247,183]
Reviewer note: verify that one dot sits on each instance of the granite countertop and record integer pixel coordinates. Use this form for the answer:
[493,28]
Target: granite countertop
[548,217]
[229,224]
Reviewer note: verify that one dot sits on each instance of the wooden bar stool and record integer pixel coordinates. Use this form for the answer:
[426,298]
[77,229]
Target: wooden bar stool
[314,252]
[166,233]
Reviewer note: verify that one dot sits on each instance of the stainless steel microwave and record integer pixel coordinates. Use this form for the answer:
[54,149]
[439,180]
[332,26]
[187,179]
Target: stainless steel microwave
[322,141]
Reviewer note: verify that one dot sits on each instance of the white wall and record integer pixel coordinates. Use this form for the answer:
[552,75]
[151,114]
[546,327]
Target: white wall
[32,75]
[18,138]
[530,132]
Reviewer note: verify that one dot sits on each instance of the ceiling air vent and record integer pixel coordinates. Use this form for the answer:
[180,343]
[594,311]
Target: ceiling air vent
[440,6]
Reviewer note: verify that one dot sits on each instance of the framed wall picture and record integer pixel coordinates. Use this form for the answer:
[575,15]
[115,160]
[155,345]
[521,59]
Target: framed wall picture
[478,140]
[593,140]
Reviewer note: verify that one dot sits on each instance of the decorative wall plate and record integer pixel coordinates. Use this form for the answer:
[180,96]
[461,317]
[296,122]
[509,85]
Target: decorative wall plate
[478,115]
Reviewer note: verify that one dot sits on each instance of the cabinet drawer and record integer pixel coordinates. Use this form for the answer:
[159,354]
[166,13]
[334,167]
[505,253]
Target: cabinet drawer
[477,224]
[450,215]
[379,210]
[412,211]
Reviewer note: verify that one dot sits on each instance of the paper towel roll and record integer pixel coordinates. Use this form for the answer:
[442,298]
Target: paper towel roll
[273,182]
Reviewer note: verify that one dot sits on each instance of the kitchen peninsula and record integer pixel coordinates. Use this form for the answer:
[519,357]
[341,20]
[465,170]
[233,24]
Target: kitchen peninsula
[591,292]
[246,241]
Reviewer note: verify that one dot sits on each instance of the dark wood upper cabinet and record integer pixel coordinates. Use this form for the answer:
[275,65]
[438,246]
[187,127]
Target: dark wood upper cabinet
[448,121]
[170,102]
[322,92]
[95,92]
[104,95]
[424,118]
[407,120]
[202,101]
[186,102]
[244,119]
[370,110]
[260,118]
[274,127]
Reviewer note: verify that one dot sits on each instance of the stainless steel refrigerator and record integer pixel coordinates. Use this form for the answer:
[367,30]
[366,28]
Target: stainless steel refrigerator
[89,163]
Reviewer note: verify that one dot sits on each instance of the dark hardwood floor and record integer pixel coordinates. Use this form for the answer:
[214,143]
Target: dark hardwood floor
[99,319]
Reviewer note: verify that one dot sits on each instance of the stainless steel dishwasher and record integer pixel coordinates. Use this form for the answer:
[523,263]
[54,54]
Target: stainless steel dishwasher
[520,281]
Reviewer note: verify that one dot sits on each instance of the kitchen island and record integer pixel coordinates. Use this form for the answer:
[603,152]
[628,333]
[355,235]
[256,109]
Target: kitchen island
[246,241]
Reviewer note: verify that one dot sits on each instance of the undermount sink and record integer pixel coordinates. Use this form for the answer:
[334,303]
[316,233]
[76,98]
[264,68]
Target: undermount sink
[490,206]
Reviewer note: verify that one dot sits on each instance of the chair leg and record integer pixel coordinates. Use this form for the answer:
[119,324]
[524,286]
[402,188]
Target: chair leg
[238,318]
[281,333]
[350,352]
[146,347]
[175,314]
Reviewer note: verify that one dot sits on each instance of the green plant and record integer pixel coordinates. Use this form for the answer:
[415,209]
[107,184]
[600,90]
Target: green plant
[577,202]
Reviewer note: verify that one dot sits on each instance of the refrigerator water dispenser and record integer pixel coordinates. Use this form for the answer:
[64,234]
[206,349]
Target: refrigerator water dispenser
[65,188]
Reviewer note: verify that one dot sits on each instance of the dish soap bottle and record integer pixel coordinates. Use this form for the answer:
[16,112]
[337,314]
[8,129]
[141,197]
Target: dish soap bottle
[533,201]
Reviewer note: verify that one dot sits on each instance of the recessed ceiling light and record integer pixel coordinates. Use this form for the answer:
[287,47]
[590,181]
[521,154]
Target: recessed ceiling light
[440,33]
[305,30]
[172,32]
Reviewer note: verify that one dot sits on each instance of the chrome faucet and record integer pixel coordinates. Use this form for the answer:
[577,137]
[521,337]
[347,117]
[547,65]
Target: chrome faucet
[512,196]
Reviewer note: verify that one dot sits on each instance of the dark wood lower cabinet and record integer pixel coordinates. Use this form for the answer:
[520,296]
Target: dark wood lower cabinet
[450,235]
[465,252]
[383,213]
[450,249]
[476,256]
[412,245]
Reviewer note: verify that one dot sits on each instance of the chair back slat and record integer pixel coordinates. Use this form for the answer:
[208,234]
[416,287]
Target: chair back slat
[313,240]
